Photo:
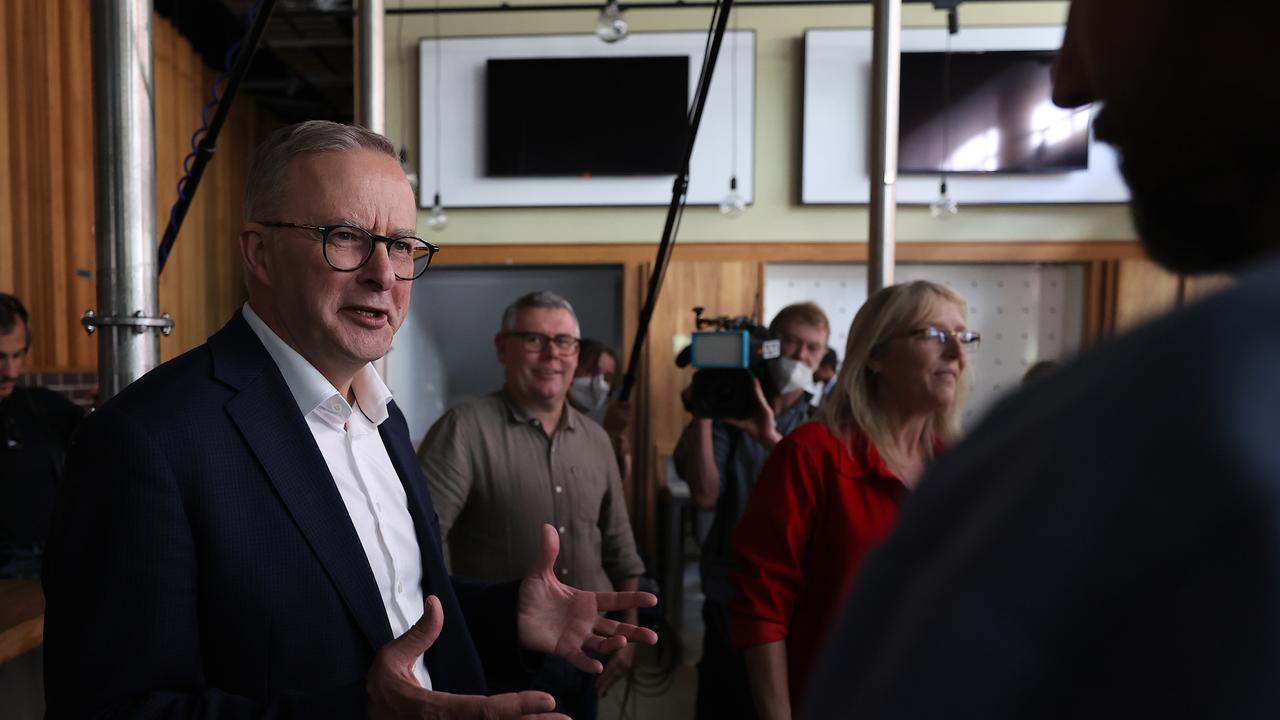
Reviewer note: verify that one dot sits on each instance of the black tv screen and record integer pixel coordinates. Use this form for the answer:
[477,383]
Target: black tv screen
[586,116]
[999,118]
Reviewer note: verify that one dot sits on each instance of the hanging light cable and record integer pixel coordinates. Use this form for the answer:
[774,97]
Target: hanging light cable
[410,172]
[944,206]
[733,203]
[437,218]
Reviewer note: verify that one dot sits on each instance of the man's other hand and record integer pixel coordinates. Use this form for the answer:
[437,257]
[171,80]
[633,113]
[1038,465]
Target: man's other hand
[394,692]
[617,668]
[565,621]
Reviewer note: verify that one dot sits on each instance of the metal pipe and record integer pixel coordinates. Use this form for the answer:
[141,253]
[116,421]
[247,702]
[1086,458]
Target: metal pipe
[595,6]
[125,196]
[886,56]
[372,62]
[373,66]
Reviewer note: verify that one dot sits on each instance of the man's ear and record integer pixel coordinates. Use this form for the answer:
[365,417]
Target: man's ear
[253,252]
[500,346]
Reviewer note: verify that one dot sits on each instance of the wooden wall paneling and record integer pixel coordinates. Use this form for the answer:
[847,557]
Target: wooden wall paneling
[642,494]
[1093,295]
[78,183]
[1144,290]
[47,246]
[634,280]
[8,231]
[54,170]
[22,93]
[723,288]
[1198,287]
[201,284]
[910,252]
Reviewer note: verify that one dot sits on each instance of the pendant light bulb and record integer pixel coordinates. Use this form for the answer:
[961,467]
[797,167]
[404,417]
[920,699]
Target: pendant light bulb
[944,207]
[733,204]
[610,26]
[437,219]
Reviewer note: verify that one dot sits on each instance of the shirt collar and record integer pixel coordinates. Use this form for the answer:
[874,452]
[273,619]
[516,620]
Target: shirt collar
[309,388]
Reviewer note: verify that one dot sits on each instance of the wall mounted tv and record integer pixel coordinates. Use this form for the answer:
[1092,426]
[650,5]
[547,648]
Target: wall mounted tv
[999,119]
[586,116]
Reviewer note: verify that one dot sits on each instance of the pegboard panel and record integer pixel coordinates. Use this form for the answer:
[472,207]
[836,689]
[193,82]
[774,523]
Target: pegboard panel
[1025,312]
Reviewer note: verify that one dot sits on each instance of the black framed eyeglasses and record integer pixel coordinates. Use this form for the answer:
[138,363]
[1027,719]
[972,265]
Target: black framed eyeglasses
[347,248]
[534,342]
[968,339]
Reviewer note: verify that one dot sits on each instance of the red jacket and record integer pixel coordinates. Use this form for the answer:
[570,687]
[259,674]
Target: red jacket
[815,513]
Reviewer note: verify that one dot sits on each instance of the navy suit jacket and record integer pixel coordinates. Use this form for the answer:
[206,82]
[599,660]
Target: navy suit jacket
[202,562]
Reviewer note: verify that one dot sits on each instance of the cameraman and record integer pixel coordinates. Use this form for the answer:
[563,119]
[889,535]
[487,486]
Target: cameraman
[720,460]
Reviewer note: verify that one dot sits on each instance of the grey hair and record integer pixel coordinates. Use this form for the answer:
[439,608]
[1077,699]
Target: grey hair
[272,158]
[540,299]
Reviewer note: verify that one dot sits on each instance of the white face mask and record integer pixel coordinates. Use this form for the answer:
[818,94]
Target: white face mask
[589,392]
[789,375]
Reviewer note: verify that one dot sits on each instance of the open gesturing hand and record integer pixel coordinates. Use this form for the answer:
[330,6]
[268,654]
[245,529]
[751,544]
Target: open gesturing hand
[394,692]
[565,621]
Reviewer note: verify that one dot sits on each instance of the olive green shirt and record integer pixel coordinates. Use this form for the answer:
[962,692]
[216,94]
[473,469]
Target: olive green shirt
[496,478]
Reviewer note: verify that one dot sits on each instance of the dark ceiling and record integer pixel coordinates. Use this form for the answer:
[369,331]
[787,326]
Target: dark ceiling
[304,68]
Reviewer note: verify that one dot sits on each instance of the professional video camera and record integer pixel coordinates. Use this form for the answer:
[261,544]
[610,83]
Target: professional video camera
[728,359]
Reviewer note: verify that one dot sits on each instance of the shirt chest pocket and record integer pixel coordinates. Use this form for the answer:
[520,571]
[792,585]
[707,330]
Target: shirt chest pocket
[586,493]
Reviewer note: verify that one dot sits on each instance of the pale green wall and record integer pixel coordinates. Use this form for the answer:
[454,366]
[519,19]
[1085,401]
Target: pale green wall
[776,215]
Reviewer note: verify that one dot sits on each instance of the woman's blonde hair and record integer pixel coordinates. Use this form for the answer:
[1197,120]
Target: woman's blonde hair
[854,406]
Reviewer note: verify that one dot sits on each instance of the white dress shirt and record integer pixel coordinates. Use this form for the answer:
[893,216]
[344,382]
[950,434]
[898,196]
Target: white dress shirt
[362,471]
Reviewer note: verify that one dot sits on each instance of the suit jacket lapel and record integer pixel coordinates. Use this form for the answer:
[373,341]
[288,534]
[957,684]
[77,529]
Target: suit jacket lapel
[452,661]
[268,418]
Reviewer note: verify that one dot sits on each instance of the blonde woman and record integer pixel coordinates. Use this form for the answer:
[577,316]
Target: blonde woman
[831,490]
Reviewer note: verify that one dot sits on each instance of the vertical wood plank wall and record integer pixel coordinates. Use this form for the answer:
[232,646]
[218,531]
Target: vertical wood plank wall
[47,250]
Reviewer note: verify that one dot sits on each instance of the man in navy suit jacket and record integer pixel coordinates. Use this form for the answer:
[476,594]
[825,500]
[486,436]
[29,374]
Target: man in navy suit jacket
[244,532]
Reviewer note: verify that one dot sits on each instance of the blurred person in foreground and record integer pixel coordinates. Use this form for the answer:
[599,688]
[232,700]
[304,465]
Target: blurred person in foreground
[243,531]
[1107,543]
[830,491]
[720,459]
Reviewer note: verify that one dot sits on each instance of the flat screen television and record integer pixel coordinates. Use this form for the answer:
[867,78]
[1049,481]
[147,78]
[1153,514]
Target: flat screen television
[586,116]
[999,117]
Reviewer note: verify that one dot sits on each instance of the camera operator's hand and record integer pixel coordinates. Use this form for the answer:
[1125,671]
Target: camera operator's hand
[762,426]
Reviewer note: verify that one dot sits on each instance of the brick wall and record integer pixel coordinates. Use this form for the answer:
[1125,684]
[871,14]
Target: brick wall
[80,388]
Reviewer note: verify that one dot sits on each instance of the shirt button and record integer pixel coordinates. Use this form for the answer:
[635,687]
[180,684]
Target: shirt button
[564,571]
[559,489]
[561,529]
[399,588]
[378,506]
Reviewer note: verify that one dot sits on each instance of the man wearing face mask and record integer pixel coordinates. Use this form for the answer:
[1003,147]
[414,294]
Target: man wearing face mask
[721,459]
[501,466]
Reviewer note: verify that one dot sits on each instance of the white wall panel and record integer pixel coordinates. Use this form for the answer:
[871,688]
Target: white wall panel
[837,100]
[462,122]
